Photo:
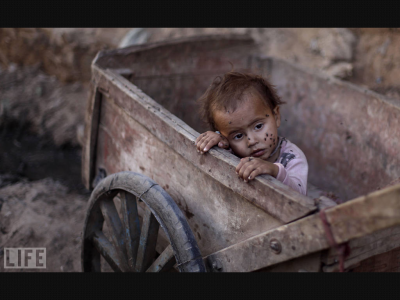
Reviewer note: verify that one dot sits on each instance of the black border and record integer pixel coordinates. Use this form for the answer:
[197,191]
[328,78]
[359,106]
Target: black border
[198,14]
[200,286]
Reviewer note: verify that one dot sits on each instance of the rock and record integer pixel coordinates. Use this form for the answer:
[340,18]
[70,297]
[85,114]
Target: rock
[335,44]
[135,36]
[66,53]
[342,70]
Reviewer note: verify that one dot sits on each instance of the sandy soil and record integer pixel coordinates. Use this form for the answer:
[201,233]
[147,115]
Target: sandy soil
[44,76]
[43,213]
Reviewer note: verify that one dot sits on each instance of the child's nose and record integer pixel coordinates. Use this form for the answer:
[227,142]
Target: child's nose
[251,141]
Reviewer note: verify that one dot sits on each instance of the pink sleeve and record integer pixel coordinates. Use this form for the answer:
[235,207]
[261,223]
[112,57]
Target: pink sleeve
[295,174]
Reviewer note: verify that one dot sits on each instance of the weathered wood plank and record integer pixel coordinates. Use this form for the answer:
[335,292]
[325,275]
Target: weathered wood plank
[164,262]
[162,240]
[352,130]
[108,251]
[218,217]
[148,241]
[308,263]
[131,226]
[196,54]
[113,221]
[365,247]
[385,262]
[265,191]
[350,220]
[90,136]
[178,94]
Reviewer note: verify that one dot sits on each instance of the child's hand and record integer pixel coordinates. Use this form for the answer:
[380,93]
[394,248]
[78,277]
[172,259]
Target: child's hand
[250,167]
[209,139]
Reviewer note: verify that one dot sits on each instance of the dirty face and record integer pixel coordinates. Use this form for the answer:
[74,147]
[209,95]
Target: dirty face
[252,129]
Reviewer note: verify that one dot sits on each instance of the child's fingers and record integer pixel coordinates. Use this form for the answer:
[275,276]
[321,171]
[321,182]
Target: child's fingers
[223,144]
[242,162]
[206,142]
[239,166]
[249,168]
[202,142]
[211,143]
[242,169]
[199,142]
[254,173]
[246,164]
[200,137]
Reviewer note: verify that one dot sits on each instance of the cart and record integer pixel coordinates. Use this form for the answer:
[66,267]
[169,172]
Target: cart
[140,159]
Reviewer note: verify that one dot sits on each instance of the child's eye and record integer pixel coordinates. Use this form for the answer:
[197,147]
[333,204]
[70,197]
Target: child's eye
[238,136]
[259,126]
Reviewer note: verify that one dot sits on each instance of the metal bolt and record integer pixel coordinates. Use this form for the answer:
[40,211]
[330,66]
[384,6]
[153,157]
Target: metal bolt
[216,265]
[275,246]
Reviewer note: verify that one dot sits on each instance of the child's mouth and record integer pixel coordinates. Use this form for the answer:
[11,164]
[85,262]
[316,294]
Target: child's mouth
[258,152]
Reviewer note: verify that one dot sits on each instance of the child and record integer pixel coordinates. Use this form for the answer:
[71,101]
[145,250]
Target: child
[244,108]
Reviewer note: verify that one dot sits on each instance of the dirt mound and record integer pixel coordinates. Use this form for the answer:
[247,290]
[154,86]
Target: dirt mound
[64,52]
[43,214]
[29,156]
[51,108]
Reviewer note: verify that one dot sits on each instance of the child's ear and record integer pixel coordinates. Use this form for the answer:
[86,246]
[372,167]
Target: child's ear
[277,116]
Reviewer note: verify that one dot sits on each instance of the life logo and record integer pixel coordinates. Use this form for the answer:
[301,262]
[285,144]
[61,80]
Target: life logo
[24,258]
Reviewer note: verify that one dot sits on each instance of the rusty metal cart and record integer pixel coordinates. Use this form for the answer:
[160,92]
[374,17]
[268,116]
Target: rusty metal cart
[140,158]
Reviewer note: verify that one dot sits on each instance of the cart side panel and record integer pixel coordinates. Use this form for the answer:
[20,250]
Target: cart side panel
[354,219]
[368,251]
[177,75]
[353,132]
[90,136]
[385,262]
[181,56]
[178,95]
[217,216]
[306,263]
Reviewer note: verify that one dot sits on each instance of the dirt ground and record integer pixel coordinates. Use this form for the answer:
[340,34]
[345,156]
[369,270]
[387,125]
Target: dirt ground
[44,82]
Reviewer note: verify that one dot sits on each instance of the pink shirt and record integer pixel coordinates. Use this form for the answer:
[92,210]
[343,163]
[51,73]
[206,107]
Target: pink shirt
[293,167]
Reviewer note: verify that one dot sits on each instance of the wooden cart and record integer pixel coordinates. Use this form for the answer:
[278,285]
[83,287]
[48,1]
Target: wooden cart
[140,158]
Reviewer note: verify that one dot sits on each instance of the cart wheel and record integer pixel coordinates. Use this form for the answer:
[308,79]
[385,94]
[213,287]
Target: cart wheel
[132,244]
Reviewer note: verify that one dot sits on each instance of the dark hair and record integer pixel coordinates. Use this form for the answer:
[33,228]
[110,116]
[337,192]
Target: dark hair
[226,92]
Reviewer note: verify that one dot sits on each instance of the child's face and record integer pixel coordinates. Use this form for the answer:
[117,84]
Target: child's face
[252,129]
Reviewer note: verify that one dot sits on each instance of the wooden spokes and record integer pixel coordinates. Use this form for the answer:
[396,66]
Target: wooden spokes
[131,222]
[148,240]
[164,262]
[125,231]
[108,251]
[132,247]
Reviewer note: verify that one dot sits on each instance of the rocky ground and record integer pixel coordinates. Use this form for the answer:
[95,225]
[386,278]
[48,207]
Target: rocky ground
[44,82]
